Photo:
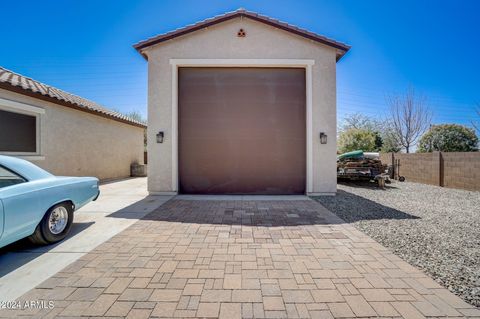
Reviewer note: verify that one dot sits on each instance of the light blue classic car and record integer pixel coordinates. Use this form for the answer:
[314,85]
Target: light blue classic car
[37,204]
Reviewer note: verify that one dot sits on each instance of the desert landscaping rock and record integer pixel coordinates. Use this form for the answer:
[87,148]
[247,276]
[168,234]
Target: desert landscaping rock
[436,229]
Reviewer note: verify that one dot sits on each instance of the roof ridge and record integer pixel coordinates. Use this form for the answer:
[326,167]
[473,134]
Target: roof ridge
[37,87]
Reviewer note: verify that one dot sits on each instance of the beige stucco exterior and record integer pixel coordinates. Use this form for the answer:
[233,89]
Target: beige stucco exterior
[77,143]
[262,43]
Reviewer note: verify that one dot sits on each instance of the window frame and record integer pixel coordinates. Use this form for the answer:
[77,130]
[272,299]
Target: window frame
[30,110]
[14,173]
[20,176]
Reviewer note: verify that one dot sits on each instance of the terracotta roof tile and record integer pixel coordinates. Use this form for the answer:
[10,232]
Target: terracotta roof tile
[12,81]
[341,47]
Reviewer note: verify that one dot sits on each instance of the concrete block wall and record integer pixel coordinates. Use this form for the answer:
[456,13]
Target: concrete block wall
[461,170]
[454,170]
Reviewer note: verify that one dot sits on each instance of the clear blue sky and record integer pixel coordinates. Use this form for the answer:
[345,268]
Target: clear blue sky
[85,47]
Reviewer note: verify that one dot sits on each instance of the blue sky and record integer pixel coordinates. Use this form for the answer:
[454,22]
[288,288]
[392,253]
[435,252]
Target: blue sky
[85,47]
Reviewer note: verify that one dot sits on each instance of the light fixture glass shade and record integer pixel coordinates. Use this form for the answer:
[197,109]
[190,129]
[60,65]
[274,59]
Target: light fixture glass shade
[323,138]
[160,137]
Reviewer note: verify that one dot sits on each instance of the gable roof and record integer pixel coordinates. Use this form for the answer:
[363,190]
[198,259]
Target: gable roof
[18,83]
[340,47]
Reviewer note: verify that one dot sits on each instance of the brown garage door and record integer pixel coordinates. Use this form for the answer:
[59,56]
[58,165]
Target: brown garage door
[241,130]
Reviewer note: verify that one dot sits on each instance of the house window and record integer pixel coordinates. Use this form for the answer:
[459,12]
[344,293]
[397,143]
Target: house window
[18,132]
[20,129]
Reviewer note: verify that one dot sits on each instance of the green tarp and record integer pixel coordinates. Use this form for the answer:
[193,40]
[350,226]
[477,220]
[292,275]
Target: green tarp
[353,154]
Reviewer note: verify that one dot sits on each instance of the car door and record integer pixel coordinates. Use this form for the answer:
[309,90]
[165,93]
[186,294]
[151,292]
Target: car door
[21,204]
[1,219]
[7,178]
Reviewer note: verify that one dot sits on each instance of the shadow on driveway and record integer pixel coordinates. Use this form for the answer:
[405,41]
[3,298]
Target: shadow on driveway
[270,213]
[23,251]
[352,208]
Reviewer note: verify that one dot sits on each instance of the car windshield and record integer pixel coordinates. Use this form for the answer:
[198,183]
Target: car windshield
[8,178]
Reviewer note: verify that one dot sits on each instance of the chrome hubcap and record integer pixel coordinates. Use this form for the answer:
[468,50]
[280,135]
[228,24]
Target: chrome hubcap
[58,220]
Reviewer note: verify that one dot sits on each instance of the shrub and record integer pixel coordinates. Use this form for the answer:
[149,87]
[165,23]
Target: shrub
[449,138]
[357,139]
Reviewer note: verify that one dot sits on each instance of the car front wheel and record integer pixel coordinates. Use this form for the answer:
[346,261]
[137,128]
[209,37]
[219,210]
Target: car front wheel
[55,225]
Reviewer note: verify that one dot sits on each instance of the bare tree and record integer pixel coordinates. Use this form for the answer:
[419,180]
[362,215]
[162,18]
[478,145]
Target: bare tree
[410,117]
[476,124]
[137,116]
[359,121]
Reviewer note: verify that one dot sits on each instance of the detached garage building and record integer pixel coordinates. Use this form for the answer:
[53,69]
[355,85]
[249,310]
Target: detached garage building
[237,104]
[64,133]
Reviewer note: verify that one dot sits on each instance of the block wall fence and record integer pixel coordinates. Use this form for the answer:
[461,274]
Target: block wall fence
[453,170]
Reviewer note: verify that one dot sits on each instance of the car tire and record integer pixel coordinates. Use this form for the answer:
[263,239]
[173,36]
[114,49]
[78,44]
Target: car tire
[55,224]
[37,238]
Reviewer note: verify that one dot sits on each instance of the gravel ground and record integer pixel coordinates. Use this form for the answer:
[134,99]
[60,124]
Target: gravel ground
[436,229]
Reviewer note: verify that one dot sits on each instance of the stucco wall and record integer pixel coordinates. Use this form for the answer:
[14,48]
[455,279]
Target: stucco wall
[221,42]
[77,143]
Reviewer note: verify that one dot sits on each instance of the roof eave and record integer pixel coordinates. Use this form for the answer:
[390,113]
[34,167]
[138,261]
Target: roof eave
[341,54]
[40,96]
[140,46]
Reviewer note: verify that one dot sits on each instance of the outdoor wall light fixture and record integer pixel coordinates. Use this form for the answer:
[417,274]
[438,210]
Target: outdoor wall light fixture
[323,138]
[160,137]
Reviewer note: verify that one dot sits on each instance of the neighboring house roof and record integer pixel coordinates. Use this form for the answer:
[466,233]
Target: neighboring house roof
[15,82]
[341,47]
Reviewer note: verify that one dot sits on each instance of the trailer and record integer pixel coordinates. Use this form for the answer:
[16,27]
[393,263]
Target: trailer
[359,165]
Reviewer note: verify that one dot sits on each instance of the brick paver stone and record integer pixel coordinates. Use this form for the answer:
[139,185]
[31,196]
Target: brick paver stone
[208,310]
[340,310]
[247,295]
[139,314]
[232,281]
[166,295]
[242,259]
[328,295]
[230,311]
[273,303]
[120,309]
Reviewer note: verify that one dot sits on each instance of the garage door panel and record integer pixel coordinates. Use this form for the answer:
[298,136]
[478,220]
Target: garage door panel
[242,130]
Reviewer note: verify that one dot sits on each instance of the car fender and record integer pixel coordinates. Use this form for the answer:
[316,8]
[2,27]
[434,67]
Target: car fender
[77,190]
[54,195]
[64,200]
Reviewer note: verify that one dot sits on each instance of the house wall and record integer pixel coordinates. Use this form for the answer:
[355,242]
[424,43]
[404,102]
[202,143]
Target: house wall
[77,143]
[221,42]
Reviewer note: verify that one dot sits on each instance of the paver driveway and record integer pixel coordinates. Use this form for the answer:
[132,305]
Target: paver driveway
[24,266]
[232,259]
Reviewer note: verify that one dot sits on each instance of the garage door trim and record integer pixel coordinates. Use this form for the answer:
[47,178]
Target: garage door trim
[274,63]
